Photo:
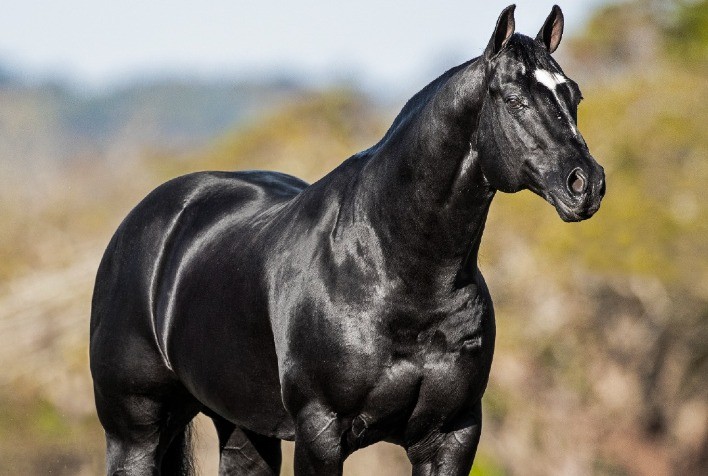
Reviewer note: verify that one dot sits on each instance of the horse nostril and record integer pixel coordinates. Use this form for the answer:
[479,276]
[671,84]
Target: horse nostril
[602,187]
[576,182]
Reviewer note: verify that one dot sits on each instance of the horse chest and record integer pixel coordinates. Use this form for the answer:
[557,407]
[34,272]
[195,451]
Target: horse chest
[400,370]
[441,374]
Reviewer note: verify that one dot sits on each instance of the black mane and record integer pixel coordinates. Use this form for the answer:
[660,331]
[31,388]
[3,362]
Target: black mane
[530,52]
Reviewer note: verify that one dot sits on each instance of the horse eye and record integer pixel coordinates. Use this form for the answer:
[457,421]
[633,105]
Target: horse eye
[514,102]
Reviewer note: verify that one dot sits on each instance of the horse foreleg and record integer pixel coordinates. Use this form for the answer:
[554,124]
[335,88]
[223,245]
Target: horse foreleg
[318,443]
[243,452]
[456,453]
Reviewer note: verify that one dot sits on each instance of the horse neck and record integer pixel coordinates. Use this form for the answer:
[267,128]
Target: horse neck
[429,196]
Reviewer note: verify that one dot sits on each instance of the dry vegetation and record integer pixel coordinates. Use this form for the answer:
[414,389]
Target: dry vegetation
[602,326]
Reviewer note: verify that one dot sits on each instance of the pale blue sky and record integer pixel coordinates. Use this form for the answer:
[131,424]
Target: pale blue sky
[379,43]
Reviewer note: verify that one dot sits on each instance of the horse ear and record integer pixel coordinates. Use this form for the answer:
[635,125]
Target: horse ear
[552,30]
[502,33]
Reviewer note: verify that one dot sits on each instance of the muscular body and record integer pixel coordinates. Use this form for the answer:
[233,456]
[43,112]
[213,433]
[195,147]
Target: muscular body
[345,312]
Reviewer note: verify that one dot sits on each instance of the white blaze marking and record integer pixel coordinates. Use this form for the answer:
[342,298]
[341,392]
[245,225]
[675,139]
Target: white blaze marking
[551,80]
[548,79]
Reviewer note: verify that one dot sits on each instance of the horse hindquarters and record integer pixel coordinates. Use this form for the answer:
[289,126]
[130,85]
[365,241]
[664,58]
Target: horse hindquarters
[143,409]
[142,396]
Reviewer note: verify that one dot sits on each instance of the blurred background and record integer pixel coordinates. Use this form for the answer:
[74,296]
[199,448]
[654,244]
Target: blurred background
[602,337]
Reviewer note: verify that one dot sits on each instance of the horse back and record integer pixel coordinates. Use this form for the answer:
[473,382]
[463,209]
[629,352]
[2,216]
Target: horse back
[141,245]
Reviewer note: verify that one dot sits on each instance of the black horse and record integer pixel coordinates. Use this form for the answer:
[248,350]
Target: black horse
[341,313]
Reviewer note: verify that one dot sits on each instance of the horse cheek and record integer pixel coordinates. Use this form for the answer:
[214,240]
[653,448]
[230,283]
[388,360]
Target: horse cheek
[495,153]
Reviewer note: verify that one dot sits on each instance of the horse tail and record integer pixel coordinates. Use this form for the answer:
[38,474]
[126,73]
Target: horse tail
[179,459]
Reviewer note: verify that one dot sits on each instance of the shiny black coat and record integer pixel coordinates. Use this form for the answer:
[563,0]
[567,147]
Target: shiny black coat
[337,314]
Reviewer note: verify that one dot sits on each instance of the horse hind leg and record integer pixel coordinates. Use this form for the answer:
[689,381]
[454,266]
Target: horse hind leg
[145,435]
[243,452]
[177,458]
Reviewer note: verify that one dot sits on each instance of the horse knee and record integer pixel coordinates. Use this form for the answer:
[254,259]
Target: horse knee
[454,452]
[318,443]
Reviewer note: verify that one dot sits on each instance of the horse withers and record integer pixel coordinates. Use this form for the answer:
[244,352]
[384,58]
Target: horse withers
[341,313]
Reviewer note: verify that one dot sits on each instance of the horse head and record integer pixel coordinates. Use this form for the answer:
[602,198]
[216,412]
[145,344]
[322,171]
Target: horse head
[528,136]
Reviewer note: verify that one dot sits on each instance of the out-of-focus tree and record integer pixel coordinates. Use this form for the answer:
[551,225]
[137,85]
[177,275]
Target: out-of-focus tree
[687,33]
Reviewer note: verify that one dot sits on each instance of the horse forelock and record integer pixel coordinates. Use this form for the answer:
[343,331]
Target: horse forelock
[530,53]
[523,55]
